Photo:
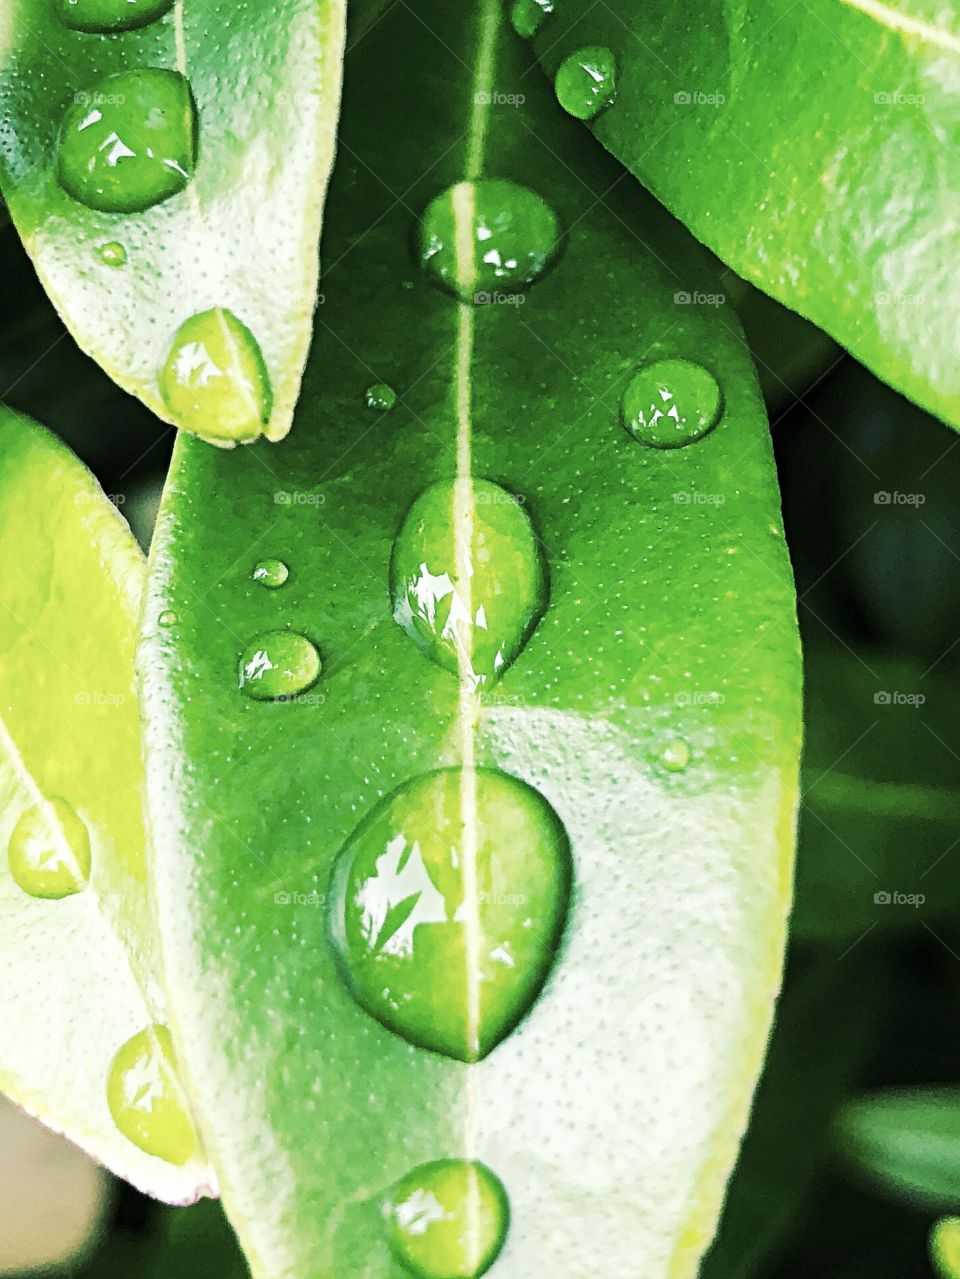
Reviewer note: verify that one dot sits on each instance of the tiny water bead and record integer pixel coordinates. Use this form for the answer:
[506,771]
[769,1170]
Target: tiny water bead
[945,1247]
[527,16]
[278,665]
[675,756]
[271,573]
[512,233]
[168,618]
[145,1098]
[671,403]
[380,396]
[481,623]
[130,141]
[447,906]
[448,1219]
[104,16]
[113,253]
[49,851]
[215,381]
[586,82]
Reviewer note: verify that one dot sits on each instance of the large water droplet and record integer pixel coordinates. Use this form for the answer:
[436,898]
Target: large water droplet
[168,618]
[278,665]
[527,16]
[447,906]
[215,381]
[675,756]
[481,239]
[113,253]
[381,397]
[586,82]
[111,15]
[146,1100]
[130,141]
[671,403]
[272,573]
[448,1219]
[475,622]
[49,851]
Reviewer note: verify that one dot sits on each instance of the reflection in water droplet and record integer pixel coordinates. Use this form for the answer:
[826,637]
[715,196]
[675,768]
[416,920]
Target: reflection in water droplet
[111,15]
[447,906]
[448,1219]
[671,403]
[168,618]
[215,381]
[512,232]
[113,253]
[278,665]
[483,622]
[381,397]
[586,82]
[129,141]
[271,573]
[675,756]
[49,851]
[145,1098]
[527,16]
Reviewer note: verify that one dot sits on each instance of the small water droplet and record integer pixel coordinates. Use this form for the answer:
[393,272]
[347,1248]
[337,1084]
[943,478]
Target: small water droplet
[112,15]
[278,665]
[448,1219]
[113,253]
[168,618]
[513,235]
[380,396]
[215,382]
[675,756]
[272,573]
[481,623]
[671,403]
[527,16]
[945,1247]
[586,82]
[447,906]
[129,142]
[49,851]
[145,1098]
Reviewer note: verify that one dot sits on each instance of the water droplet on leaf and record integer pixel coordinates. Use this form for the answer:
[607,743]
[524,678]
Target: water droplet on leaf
[146,1100]
[473,622]
[675,756]
[671,403]
[278,665]
[215,382]
[448,1219]
[527,16]
[272,573]
[129,141]
[447,906]
[113,253]
[380,397]
[586,82]
[112,15]
[49,851]
[511,236]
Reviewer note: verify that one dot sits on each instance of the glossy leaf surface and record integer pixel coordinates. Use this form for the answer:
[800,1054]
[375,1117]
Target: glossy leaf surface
[642,726]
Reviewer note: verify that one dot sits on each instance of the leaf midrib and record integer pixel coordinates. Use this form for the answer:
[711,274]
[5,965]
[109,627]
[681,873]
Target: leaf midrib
[904,25]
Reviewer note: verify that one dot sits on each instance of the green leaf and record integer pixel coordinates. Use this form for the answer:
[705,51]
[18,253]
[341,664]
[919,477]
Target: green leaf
[907,1142]
[643,739]
[76,934]
[177,170]
[837,198]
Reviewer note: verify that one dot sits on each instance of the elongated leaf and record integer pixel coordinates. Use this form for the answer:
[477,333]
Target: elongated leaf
[241,157]
[907,1141]
[837,198]
[642,737]
[76,935]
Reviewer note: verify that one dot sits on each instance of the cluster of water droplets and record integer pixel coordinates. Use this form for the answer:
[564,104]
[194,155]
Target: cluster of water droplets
[128,142]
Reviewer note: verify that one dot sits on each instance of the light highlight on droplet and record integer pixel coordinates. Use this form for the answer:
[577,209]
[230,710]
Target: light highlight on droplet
[49,851]
[381,397]
[277,665]
[586,82]
[448,1219]
[671,403]
[270,573]
[146,1100]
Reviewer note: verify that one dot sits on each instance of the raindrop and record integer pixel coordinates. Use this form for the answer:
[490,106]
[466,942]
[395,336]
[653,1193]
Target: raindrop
[49,851]
[671,403]
[586,82]
[277,665]
[448,1219]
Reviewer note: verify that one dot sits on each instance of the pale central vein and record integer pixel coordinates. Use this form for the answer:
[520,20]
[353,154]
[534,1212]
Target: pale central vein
[463,515]
[905,24]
